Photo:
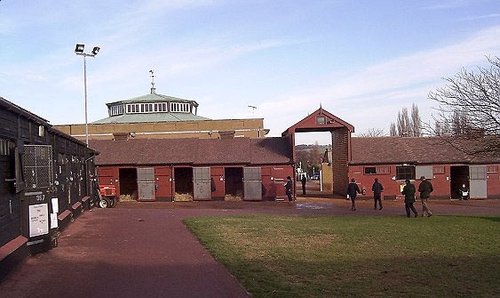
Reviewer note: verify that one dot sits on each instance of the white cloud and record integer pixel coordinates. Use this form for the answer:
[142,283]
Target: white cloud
[482,17]
[371,97]
[449,4]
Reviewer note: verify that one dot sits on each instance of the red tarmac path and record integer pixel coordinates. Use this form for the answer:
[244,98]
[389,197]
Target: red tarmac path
[144,250]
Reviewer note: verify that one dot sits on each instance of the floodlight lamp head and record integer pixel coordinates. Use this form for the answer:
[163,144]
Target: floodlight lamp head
[95,50]
[79,48]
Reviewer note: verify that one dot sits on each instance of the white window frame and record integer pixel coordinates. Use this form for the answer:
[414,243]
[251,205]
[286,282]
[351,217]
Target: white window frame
[160,107]
[179,107]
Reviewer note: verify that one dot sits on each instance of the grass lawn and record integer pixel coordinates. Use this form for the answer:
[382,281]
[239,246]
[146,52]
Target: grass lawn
[325,256]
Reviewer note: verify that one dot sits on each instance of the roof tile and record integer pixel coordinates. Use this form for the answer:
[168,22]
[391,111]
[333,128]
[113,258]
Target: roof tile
[192,151]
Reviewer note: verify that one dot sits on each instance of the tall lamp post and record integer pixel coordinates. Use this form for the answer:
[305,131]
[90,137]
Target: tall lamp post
[79,51]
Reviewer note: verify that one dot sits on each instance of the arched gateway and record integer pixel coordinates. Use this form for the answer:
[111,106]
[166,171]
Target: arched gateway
[323,121]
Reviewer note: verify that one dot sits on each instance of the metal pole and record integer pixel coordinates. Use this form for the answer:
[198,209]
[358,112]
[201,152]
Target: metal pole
[85,90]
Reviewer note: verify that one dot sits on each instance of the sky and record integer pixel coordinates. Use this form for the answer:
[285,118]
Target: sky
[361,60]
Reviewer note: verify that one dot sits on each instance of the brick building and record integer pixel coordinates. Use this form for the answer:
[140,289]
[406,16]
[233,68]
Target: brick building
[159,116]
[394,159]
[213,169]
[199,169]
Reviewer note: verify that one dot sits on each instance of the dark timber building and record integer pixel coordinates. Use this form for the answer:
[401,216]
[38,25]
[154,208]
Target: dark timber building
[44,182]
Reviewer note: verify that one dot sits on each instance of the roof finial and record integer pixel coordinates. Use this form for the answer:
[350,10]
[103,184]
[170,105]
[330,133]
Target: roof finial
[153,89]
[320,106]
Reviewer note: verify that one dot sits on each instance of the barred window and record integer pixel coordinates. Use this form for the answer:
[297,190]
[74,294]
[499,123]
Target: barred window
[405,172]
[438,170]
[492,169]
[6,147]
[478,173]
[377,170]
[116,110]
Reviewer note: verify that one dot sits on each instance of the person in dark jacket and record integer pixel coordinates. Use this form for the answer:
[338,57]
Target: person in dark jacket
[288,188]
[303,181]
[377,189]
[409,193]
[425,189]
[352,191]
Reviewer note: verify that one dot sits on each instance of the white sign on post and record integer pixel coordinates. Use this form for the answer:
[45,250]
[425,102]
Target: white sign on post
[39,219]
[55,205]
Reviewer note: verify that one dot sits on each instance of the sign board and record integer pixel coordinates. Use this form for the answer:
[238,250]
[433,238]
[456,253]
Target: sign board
[39,219]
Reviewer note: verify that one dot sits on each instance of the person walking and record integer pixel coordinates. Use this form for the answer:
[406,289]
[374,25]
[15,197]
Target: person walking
[352,191]
[377,189]
[303,181]
[409,193]
[288,188]
[425,189]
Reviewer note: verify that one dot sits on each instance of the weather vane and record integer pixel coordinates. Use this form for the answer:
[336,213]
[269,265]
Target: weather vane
[153,89]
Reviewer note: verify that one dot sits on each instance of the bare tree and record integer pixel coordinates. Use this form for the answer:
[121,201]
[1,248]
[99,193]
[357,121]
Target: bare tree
[415,123]
[310,158]
[372,132]
[405,125]
[392,130]
[441,129]
[470,105]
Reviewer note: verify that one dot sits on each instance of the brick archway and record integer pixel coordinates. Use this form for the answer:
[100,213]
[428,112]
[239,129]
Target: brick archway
[323,121]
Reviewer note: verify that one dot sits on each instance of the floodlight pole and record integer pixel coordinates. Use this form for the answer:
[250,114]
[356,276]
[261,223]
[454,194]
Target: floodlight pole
[85,55]
[85,91]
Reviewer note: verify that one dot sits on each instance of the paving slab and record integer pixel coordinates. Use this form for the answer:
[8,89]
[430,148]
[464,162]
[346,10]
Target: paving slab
[123,253]
[144,249]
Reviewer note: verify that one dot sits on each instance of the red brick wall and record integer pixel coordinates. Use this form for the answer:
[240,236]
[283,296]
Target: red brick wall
[340,159]
[273,180]
[494,183]
[439,181]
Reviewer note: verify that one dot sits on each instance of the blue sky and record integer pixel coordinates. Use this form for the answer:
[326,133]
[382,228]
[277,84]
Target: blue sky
[361,60]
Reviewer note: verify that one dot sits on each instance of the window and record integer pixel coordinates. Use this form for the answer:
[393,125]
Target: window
[492,169]
[405,172]
[41,131]
[6,147]
[383,170]
[135,108]
[179,107]
[370,170]
[377,170]
[320,120]
[477,173]
[117,110]
[37,160]
[438,170]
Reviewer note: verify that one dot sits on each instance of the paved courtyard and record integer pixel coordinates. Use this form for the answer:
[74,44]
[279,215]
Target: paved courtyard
[144,250]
